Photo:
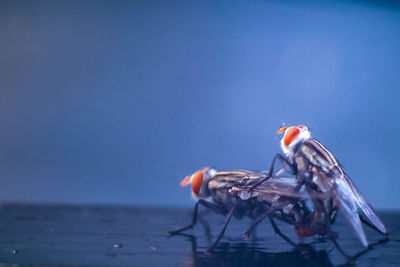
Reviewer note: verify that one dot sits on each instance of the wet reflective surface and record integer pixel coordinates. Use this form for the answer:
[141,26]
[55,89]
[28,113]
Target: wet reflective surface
[110,235]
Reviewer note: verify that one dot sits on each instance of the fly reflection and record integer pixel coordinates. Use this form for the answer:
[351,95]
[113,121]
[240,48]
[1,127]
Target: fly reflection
[247,254]
[252,254]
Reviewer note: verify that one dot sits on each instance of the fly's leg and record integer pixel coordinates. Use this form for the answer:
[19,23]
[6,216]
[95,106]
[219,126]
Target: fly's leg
[350,259]
[194,221]
[207,204]
[333,212]
[247,234]
[278,231]
[221,234]
[332,236]
[285,164]
[303,249]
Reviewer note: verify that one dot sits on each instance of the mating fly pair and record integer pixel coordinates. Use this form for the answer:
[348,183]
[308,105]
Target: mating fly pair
[319,178]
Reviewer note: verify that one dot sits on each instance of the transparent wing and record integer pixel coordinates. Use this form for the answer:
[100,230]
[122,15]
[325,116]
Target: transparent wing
[331,177]
[348,208]
[364,205]
[275,186]
[237,172]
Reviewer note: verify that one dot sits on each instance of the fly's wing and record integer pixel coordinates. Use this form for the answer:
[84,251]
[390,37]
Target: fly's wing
[280,186]
[348,208]
[346,195]
[238,177]
[364,205]
[237,173]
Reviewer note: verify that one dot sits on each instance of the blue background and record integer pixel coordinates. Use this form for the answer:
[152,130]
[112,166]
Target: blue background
[115,102]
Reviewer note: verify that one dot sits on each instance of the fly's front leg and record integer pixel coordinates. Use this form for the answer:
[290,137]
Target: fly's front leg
[289,167]
[207,204]
[221,234]
[285,164]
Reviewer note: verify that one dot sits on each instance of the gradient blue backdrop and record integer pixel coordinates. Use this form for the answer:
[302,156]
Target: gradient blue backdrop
[115,102]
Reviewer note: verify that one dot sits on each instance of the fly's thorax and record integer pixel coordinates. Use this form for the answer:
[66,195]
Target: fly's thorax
[315,163]
[300,161]
[320,157]
[218,189]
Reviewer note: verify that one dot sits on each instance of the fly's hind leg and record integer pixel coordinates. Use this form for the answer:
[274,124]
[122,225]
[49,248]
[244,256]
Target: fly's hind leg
[278,231]
[207,204]
[300,247]
[350,259]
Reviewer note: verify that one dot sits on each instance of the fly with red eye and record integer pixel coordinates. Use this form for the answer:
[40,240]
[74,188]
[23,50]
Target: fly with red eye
[225,190]
[231,193]
[317,170]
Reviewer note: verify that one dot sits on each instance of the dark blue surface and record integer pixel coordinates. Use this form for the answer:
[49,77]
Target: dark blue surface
[133,236]
[115,102]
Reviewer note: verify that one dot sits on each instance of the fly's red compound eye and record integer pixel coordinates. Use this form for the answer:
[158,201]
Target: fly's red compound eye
[291,135]
[197,180]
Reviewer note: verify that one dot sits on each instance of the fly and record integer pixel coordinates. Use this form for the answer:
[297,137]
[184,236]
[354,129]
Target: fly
[318,170]
[226,193]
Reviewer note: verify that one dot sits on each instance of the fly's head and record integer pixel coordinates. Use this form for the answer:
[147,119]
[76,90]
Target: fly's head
[199,180]
[293,136]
